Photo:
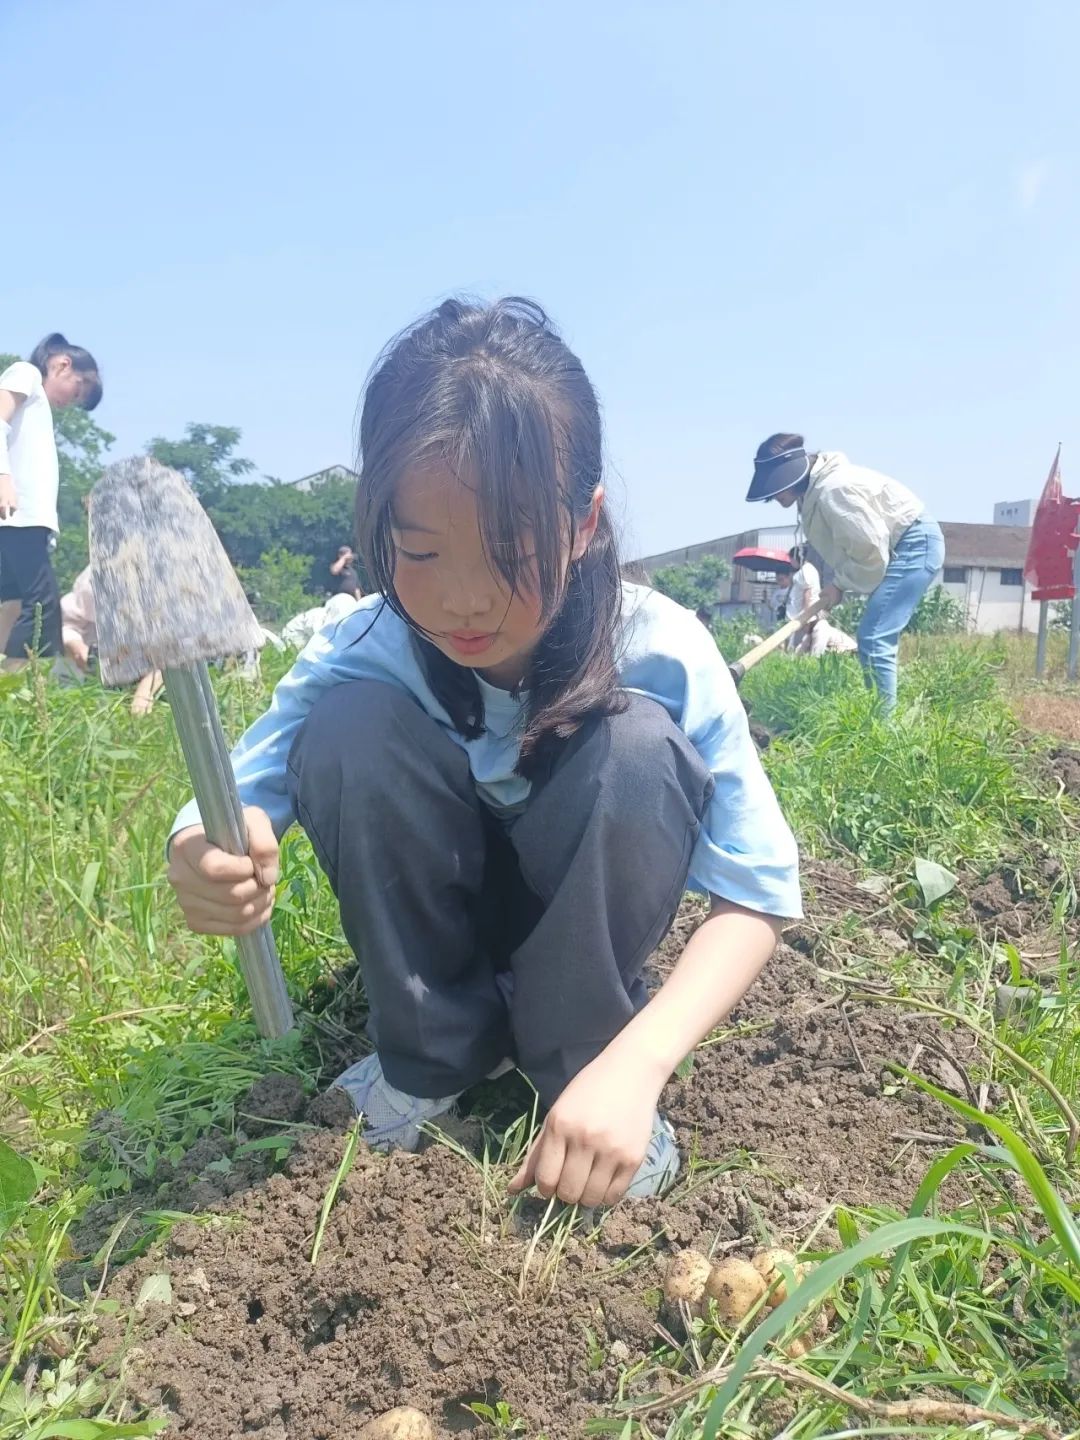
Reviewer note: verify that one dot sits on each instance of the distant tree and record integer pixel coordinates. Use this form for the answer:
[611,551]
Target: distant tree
[255,517]
[80,445]
[259,521]
[696,584]
[1061,615]
[277,585]
[205,457]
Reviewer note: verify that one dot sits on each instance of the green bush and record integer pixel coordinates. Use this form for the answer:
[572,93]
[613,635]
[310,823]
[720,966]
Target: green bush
[937,613]
[730,633]
[278,585]
[785,689]
[695,585]
[1061,615]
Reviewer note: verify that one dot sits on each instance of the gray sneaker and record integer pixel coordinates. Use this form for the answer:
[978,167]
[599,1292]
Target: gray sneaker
[656,1173]
[391,1117]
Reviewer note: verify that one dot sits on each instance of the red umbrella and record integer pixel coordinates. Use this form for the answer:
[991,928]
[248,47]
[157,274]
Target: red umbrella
[755,558]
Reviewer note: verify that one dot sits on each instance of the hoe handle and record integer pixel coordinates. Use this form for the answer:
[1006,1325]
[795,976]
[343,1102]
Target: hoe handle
[199,727]
[775,640]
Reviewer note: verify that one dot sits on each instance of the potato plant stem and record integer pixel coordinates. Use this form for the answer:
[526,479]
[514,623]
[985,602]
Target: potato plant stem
[917,1411]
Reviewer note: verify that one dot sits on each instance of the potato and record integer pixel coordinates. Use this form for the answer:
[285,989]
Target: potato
[401,1423]
[770,1265]
[686,1277]
[736,1287]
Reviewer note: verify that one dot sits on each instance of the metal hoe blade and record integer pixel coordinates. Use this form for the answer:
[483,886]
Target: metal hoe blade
[168,599]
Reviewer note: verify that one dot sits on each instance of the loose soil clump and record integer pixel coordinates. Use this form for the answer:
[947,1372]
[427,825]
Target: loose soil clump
[1065,763]
[426,1293]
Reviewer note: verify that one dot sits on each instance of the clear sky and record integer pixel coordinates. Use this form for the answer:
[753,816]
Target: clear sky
[853,218]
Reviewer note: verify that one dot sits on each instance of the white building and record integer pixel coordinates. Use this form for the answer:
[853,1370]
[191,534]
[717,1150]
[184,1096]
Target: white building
[984,570]
[1014,512]
[317,477]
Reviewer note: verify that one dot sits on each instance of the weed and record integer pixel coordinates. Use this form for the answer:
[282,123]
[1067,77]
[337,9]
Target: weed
[347,1159]
[499,1416]
[596,1352]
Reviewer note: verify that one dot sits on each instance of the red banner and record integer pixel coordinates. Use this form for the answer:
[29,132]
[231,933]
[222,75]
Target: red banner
[1049,564]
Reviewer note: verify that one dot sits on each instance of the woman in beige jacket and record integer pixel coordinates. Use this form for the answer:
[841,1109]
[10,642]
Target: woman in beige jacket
[871,530]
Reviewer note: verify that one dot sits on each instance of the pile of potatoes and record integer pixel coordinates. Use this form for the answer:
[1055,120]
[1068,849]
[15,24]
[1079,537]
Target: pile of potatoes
[735,1286]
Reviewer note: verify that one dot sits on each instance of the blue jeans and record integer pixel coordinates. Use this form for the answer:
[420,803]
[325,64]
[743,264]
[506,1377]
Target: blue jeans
[919,555]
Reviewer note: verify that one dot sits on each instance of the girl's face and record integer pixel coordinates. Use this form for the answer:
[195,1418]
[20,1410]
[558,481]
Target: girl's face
[448,588]
[63,384]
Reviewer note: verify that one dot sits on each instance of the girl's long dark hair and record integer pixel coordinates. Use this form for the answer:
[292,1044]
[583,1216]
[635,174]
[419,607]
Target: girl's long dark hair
[492,393]
[81,361]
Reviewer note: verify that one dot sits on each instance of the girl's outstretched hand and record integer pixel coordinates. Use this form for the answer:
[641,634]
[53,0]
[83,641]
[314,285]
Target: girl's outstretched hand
[223,894]
[595,1135]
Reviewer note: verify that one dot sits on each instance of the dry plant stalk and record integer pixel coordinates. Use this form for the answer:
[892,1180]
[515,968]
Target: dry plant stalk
[1033,1072]
[918,1411]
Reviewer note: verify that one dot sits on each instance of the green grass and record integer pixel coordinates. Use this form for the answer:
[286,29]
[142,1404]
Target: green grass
[1010,656]
[950,777]
[108,1003]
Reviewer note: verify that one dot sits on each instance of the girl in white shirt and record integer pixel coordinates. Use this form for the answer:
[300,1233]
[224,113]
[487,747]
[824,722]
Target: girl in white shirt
[57,374]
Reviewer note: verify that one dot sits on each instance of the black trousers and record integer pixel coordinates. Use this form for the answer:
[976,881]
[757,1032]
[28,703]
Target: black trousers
[479,938]
[26,575]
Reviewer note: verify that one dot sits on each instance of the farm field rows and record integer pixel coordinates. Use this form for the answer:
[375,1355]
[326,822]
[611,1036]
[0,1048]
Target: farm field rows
[895,1103]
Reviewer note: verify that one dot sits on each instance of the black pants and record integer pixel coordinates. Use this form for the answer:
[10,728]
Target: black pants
[479,939]
[26,575]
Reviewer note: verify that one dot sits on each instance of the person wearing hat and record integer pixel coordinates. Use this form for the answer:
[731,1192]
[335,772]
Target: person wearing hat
[870,529]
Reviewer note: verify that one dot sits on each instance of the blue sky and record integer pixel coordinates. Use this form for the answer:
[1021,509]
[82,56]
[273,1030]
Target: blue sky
[855,219]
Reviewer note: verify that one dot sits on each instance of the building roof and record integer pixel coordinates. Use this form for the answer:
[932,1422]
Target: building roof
[337,472]
[990,545]
[725,545]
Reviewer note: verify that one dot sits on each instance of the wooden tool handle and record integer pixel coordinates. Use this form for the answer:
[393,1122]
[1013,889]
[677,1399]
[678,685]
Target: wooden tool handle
[775,640]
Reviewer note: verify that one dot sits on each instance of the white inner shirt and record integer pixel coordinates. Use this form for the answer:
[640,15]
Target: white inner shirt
[32,449]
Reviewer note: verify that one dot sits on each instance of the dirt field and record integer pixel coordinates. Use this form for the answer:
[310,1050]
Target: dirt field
[1049,714]
[427,1292]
